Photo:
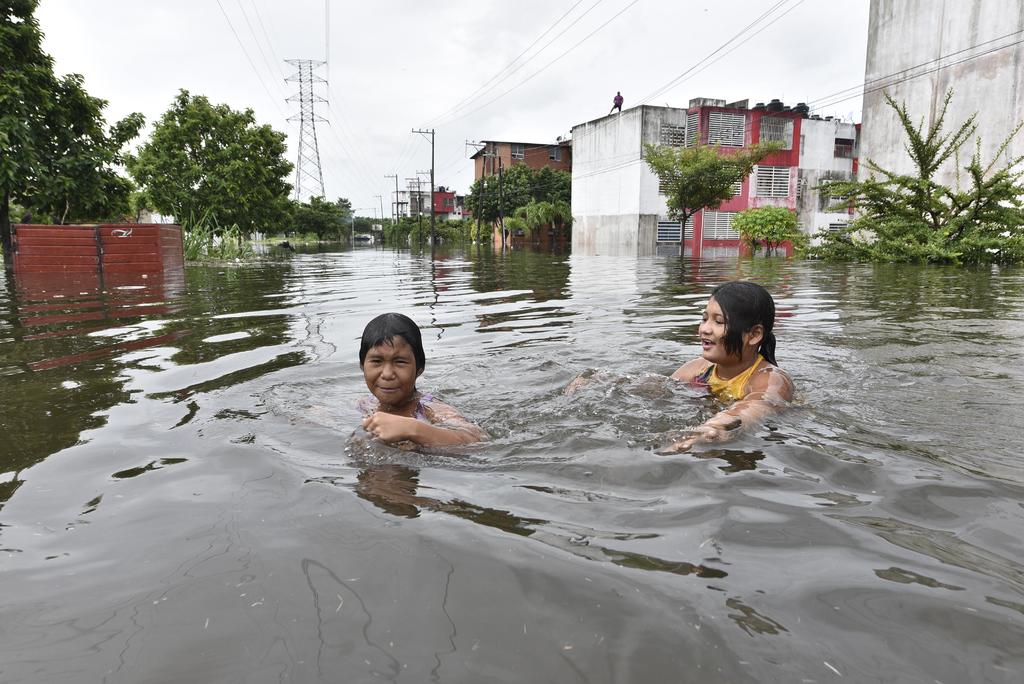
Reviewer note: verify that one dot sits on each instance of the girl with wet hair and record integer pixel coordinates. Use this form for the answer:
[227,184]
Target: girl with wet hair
[738,362]
[392,359]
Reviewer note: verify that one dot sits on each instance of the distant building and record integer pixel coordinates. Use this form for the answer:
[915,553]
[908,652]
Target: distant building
[919,49]
[557,156]
[828,152]
[448,205]
[618,205]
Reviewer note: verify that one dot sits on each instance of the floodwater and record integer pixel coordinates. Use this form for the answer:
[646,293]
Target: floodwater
[187,497]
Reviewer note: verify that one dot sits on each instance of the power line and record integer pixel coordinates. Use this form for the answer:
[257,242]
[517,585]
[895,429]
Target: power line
[270,44]
[543,68]
[711,54]
[255,39]
[249,59]
[918,75]
[857,90]
[471,96]
[741,43]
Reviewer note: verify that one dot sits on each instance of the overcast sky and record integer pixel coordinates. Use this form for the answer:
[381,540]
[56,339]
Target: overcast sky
[394,65]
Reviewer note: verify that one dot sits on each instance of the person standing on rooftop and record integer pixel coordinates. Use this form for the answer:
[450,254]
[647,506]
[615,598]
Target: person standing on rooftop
[616,103]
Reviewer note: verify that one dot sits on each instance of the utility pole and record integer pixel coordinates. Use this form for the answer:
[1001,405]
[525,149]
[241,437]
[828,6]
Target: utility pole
[432,219]
[395,206]
[501,205]
[431,196]
[414,192]
[308,165]
[381,198]
[477,147]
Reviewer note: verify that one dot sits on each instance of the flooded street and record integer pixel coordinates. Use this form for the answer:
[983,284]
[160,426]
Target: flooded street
[186,494]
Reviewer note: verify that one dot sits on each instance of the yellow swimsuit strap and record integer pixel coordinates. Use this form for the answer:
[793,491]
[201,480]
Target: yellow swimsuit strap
[732,389]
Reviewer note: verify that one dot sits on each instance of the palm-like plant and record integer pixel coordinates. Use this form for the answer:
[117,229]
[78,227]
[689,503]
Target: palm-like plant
[537,215]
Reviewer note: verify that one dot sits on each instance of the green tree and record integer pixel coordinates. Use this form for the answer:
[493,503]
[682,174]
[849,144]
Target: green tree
[769,226]
[77,179]
[913,217]
[328,220]
[203,158]
[695,178]
[25,79]
[55,157]
[518,186]
[539,215]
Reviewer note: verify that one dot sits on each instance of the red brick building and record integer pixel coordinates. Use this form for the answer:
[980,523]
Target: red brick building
[535,155]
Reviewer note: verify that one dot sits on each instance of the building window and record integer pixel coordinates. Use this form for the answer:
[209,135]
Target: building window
[669,231]
[837,227]
[773,181]
[834,203]
[692,129]
[737,188]
[726,129]
[555,153]
[672,135]
[777,128]
[718,226]
[518,150]
[844,148]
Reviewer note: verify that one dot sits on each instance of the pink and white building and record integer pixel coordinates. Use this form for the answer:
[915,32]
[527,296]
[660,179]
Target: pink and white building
[619,207]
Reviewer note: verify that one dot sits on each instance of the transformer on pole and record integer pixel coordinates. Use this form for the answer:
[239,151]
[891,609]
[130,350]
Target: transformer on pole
[309,178]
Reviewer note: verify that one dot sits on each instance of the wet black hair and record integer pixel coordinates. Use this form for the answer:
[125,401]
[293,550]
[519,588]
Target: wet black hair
[384,328]
[746,304]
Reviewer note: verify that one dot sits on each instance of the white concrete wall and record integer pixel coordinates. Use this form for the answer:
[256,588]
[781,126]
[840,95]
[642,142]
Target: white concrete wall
[615,200]
[818,164]
[905,33]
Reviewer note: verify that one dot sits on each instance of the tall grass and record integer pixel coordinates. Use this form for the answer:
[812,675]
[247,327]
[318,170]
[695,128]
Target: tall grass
[206,240]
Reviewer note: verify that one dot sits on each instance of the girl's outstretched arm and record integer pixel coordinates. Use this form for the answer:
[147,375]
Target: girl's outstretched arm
[770,390]
[446,427]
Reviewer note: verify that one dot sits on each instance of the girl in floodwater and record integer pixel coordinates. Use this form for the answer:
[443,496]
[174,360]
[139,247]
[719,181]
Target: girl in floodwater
[738,362]
[737,365]
[391,356]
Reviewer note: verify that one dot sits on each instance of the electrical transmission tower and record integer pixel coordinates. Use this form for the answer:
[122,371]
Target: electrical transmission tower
[309,178]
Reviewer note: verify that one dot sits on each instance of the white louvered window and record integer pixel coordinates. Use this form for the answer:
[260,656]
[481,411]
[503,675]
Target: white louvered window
[777,129]
[837,227]
[718,225]
[692,129]
[669,231]
[672,135]
[726,129]
[737,188]
[773,181]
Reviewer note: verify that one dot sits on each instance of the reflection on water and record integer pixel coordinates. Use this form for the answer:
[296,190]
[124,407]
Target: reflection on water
[186,495]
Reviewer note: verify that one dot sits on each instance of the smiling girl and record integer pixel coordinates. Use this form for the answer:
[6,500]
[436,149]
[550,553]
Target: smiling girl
[738,362]
[391,357]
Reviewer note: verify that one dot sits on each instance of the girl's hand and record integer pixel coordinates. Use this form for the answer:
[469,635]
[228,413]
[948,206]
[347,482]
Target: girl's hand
[391,428]
[704,433]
